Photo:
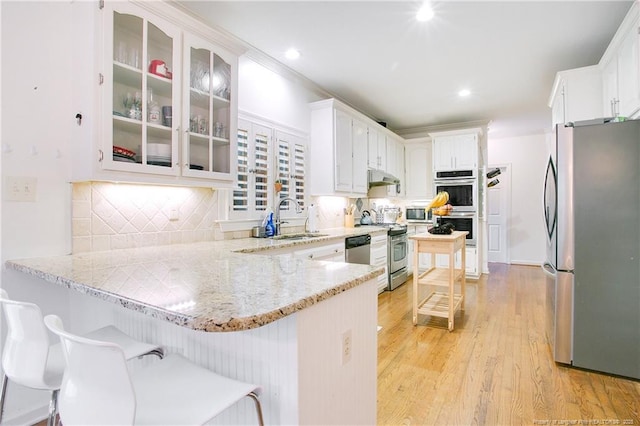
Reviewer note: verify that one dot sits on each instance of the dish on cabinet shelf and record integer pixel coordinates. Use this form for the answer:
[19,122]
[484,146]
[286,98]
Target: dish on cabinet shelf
[159,149]
[123,158]
[118,150]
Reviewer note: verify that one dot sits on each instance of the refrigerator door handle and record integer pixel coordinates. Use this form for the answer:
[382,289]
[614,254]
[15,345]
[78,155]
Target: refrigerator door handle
[548,269]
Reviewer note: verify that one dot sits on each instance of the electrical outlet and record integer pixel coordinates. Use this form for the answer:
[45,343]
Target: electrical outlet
[174,214]
[346,347]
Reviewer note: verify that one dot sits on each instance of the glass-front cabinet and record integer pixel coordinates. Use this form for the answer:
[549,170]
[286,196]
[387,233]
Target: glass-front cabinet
[170,107]
[141,80]
[207,119]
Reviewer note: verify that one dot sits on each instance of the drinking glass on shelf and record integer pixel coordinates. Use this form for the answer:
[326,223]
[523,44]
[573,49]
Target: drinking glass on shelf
[203,126]
[134,57]
[121,53]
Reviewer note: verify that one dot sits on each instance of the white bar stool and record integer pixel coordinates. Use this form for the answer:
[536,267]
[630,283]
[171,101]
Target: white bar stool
[29,360]
[97,387]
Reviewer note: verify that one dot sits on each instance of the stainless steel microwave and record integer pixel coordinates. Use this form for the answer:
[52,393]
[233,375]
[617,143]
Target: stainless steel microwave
[417,214]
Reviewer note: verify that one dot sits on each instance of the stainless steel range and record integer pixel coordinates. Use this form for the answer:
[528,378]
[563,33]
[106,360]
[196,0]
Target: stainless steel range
[397,258]
[397,246]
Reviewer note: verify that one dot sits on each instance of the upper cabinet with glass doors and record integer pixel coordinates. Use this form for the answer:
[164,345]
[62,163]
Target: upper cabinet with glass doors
[171,106]
[209,115]
[141,80]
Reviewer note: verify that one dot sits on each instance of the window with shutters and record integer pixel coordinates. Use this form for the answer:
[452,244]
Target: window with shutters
[267,155]
[252,195]
[291,163]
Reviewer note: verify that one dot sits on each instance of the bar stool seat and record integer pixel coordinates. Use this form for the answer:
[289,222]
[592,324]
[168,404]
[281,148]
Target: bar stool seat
[97,387]
[28,358]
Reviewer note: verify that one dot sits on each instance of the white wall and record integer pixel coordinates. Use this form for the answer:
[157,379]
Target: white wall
[528,156]
[267,94]
[37,117]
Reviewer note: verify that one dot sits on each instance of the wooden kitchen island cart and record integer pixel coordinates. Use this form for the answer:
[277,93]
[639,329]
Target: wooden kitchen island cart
[441,300]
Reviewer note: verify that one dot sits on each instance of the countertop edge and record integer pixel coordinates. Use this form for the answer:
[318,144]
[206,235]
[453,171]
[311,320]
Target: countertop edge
[199,324]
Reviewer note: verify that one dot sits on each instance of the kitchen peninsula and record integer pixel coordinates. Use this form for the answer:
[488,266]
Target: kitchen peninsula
[276,320]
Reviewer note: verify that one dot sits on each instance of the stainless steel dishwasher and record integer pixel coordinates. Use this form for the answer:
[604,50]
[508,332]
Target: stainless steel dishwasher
[358,249]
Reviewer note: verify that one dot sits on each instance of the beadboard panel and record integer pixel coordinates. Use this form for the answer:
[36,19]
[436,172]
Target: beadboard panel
[348,391]
[266,355]
[297,359]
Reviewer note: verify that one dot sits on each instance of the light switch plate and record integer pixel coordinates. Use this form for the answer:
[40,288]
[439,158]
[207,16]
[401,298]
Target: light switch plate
[20,188]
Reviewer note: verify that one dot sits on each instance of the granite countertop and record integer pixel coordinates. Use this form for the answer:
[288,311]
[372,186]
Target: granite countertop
[229,285]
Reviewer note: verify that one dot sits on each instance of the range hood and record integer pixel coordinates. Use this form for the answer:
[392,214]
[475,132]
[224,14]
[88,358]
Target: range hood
[380,178]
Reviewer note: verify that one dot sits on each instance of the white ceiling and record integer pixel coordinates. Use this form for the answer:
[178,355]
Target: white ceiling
[375,56]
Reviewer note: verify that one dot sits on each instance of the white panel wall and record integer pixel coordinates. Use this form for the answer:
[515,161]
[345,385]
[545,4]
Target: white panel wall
[267,94]
[36,125]
[37,119]
[528,156]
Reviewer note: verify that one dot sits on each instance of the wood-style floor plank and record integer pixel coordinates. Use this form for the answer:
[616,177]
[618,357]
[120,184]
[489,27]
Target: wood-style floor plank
[495,368]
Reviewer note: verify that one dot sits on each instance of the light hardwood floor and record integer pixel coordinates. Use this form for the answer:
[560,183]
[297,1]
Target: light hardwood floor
[495,368]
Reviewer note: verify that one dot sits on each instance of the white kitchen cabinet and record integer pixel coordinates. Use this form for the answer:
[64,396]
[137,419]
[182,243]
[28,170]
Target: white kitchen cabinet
[455,152]
[210,115]
[395,166]
[338,148]
[418,180]
[620,70]
[359,136]
[379,258]
[334,252]
[169,109]
[575,95]
[377,149]
[135,140]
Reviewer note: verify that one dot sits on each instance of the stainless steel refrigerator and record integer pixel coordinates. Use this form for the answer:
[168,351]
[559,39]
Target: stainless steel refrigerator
[592,217]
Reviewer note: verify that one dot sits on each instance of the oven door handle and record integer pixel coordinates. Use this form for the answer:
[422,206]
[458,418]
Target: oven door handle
[454,181]
[461,214]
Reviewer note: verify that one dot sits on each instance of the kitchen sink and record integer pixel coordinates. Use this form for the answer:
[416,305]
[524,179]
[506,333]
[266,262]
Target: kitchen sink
[302,236]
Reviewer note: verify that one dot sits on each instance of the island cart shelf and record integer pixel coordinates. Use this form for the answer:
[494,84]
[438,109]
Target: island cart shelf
[446,302]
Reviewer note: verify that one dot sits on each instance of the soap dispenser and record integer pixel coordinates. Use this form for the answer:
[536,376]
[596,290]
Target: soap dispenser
[270,229]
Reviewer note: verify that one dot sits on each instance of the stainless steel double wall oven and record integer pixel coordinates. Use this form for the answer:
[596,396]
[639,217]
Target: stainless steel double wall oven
[462,186]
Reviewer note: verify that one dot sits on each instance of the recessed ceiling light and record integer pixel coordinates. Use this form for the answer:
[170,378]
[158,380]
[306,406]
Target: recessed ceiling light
[425,13]
[292,54]
[464,92]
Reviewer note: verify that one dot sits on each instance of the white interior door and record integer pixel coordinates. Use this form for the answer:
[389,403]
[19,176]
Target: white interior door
[498,201]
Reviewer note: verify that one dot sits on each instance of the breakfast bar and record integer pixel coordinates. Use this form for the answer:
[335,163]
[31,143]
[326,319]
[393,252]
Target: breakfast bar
[447,303]
[275,320]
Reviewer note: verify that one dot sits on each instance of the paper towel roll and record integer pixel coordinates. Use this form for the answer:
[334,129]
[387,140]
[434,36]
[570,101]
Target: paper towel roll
[312,225]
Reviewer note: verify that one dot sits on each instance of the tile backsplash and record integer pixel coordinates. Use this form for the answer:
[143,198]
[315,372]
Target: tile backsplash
[114,215]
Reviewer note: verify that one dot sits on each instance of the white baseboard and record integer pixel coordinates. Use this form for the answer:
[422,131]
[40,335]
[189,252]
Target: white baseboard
[27,419]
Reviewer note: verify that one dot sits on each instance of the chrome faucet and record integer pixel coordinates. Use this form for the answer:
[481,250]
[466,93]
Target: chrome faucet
[278,222]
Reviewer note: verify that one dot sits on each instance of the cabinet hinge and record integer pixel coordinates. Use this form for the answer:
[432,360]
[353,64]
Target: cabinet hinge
[101,4]
[100,79]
